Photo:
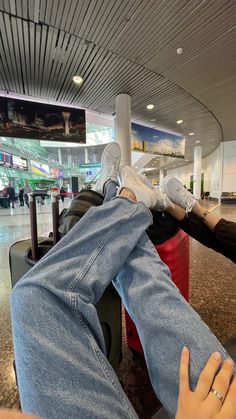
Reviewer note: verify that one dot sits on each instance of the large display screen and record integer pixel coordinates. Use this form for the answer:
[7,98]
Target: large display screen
[54,172]
[5,159]
[24,119]
[39,168]
[19,163]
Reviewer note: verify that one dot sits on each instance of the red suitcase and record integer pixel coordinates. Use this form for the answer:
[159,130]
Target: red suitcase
[175,253]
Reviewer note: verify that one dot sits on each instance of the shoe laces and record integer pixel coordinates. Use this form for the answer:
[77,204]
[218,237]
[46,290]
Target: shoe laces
[185,199]
[114,170]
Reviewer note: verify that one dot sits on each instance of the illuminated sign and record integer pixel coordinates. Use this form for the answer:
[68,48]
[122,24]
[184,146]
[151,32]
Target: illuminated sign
[5,159]
[19,163]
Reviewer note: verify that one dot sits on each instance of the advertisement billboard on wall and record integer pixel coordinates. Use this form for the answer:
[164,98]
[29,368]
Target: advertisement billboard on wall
[24,119]
[19,163]
[39,168]
[5,159]
[150,140]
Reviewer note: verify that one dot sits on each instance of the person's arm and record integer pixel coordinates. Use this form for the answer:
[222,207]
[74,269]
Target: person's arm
[215,393]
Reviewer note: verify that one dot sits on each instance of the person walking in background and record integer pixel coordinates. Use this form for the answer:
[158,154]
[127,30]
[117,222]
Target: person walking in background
[21,196]
[11,195]
[27,190]
[62,192]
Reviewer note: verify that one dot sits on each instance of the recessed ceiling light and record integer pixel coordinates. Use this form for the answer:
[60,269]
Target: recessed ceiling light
[179,50]
[153,120]
[191,133]
[186,159]
[197,141]
[150,106]
[77,79]
[179,121]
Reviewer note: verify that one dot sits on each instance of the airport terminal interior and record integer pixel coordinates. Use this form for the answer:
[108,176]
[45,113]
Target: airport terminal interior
[157,77]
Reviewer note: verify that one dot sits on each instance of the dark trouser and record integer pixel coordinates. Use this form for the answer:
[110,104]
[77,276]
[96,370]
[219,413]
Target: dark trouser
[21,201]
[222,239]
[26,199]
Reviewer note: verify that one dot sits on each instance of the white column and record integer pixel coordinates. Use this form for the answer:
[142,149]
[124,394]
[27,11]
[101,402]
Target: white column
[123,127]
[86,158]
[69,159]
[197,171]
[161,176]
[60,162]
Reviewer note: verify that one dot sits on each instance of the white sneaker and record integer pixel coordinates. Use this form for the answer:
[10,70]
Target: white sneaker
[129,179]
[163,201]
[178,194]
[110,163]
[147,182]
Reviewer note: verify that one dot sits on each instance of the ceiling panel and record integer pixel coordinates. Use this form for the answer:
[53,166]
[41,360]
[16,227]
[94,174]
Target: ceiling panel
[128,46]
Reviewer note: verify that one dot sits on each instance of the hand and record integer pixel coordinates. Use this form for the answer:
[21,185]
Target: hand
[202,403]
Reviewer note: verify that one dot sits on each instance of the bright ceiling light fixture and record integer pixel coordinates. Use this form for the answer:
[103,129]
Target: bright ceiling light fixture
[77,79]
[180,121]
[179,50]
[197,141]
[150,106]
[191,133]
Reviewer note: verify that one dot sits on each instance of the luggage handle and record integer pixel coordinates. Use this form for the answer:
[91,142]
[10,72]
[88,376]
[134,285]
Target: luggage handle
[33,223]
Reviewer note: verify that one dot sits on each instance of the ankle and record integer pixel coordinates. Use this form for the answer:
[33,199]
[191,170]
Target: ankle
[128,194]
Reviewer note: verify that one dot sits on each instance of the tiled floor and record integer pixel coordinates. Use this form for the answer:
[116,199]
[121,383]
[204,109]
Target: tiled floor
[212,285]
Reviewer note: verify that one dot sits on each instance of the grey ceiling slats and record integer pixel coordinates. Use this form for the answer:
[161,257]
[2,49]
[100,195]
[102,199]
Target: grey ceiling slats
[32,57]
[88,17]
[104,23]
[42,57]
[36,11]
[19,8]
[72,58]
[60,8]
[65,14]
[6,5]
[11,47]
[43,4]
[82,7]
[22,55]
[24,9]
[27,55]
[64,61]
[17,53]
[12,7]
[57,60]
[67,56]
[126,45]
[37,57]
[70,16]
[74,23]
[48,11]
[6,59]
[51,41]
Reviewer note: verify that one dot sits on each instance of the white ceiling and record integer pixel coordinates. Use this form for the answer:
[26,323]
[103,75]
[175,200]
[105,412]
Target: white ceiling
[128,46]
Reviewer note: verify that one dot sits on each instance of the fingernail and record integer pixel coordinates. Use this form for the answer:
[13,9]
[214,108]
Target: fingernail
[217,356]
[184,351]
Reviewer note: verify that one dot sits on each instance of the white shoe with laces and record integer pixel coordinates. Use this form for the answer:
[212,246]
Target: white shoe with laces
[178,194]
[110,163]
[163,201]
[130,179]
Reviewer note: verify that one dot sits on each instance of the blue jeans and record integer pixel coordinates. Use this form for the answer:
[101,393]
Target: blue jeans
[59,346]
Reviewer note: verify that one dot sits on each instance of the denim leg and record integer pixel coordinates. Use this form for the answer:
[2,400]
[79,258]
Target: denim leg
[164,320]
[59,346]
[110,190]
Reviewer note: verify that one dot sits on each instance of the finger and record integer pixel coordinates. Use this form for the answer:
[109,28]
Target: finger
[183,370]
[229,406]
[207,376]
[221,385]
